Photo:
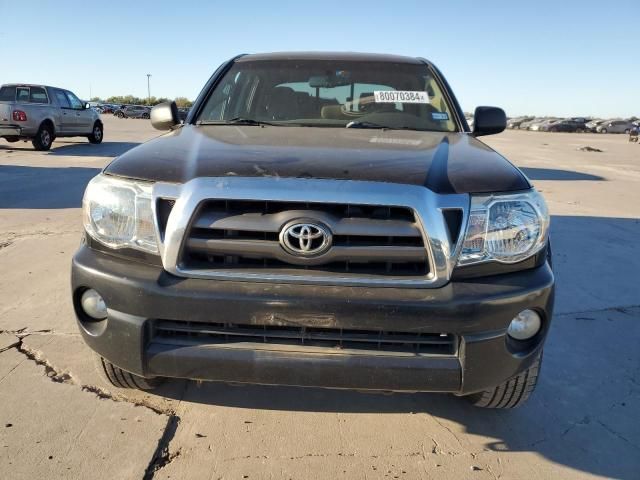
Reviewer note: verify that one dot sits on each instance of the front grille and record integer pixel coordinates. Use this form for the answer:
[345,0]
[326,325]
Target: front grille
[368,240]
[281,337]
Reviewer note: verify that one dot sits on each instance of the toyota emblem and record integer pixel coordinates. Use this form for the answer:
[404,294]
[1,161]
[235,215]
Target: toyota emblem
[305,239]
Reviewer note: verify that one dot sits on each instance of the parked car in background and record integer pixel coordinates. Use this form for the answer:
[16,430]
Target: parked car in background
[544,125]
[615,126]
[564,126]
[591,126]
[583,120]
[106,108]
[527,125]
[470,122]
[133,111]
[516,122]
[40,113]
[182,114]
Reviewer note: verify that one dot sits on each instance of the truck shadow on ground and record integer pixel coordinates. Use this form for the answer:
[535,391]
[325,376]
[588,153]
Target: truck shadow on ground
[73,149]
[83,149]
[553,174]
[43,187]
[548,425]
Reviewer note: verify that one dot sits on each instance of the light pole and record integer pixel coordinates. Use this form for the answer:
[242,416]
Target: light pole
[148,89]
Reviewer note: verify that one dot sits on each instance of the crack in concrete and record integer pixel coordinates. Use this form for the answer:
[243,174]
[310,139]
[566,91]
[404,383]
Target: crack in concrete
[15,332]
[585,421]
[621,309]
[448,430]
[11,236]
[632,380]
[49,370]
[324,455]
[25,332]
[162,456]
[104,394]
[12,344]
[616,434]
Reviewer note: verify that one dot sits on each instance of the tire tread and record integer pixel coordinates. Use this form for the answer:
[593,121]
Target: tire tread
[121,378]
[513,392]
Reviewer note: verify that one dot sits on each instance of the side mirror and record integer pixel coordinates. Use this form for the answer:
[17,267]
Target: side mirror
[489,120]
[164,116]
[87,106]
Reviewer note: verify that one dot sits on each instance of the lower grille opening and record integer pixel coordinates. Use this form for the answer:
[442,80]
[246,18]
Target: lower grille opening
[196,333]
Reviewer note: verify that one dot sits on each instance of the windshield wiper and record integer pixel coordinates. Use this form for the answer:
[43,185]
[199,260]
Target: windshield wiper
[356,124]
[234,121]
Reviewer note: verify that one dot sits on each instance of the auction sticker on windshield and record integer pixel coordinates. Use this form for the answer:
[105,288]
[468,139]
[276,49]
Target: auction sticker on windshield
[400,96]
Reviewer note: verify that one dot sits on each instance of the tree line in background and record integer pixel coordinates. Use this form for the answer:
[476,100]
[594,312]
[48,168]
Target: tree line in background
[181,102]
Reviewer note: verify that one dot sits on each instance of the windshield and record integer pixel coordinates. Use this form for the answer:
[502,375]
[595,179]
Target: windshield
[330,94]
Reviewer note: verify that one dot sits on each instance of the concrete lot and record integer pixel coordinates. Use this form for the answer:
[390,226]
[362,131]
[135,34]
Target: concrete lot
[58,421]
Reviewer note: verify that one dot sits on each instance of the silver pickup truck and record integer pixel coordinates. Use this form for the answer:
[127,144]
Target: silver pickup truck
[40,114]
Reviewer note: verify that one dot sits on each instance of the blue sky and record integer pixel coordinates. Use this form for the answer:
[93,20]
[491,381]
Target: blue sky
[562,57]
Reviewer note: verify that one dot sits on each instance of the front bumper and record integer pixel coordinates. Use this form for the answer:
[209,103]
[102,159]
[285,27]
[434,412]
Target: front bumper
[477,311]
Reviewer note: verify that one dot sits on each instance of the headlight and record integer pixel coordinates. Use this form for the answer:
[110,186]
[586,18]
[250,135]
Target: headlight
[118,213]
[505,228]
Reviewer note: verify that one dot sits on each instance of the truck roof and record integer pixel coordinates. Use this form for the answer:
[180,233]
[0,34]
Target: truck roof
[29,85]
[344,56]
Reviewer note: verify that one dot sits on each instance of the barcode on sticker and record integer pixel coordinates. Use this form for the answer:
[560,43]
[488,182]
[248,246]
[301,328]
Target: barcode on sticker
[400,96]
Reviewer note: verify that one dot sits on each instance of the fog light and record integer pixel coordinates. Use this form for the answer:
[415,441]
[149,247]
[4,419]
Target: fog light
[93,304]
[525,325]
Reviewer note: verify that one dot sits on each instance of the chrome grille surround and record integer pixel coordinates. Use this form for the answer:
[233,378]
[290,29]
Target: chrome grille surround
[428,208]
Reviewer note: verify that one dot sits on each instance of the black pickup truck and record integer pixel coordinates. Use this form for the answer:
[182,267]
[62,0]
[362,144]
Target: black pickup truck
[323,220]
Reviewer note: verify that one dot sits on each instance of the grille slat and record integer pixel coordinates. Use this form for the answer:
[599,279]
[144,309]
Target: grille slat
[166,331]
[272,250]
[368,240]
[259,222]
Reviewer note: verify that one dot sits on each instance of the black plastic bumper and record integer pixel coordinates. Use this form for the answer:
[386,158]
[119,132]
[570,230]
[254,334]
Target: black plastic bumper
[477,311]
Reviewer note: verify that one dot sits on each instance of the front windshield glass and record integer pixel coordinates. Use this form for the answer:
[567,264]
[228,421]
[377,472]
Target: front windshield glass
[339,94]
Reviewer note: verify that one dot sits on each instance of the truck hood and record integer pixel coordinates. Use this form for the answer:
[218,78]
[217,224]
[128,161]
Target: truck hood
[442,162]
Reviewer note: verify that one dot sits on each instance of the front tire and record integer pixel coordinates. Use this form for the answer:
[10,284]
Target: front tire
[121,378]
[96,134]
[512,393]
[43,139]
[604,130]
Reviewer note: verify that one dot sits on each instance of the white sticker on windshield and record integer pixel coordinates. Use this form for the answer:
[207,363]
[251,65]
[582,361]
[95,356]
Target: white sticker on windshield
[400,96]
